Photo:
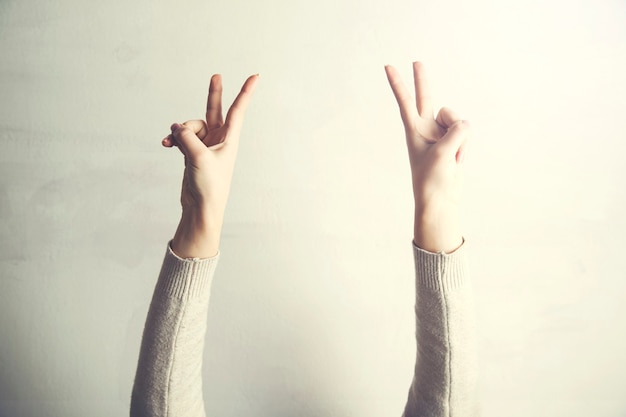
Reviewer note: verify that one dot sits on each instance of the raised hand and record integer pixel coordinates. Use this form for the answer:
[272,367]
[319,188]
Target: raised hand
[437,148]
[210,150]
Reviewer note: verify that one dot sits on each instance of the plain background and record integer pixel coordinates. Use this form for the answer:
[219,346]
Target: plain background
[311,311]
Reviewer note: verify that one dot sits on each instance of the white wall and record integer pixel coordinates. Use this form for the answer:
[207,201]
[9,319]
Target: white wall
[311,312]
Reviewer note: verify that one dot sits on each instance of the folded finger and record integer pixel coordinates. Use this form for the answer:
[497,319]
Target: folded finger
[168,141]
[447,117]
[461,154]
[199,127]
[187,141]
[454,139]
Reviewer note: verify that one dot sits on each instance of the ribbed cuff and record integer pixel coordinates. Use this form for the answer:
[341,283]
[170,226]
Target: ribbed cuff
[437,271]
[186,278]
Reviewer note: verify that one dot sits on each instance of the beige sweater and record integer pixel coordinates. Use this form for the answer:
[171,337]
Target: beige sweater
[169,372]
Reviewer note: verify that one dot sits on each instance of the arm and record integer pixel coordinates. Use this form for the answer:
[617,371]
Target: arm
[445,378]
[169,372]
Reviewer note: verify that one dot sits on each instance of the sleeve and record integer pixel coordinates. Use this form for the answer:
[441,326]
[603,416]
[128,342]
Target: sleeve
[168,381]
[445,382]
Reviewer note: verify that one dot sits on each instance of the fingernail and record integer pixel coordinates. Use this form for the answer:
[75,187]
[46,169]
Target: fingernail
[175,126]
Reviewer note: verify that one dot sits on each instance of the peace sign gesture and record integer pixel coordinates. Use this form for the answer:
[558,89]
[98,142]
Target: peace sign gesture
[210,149]
[436,151]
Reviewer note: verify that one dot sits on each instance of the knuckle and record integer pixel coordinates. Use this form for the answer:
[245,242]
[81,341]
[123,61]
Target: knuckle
[181,132]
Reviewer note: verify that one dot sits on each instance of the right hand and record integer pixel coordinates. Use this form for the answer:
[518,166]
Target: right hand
[437,148]
[210,150]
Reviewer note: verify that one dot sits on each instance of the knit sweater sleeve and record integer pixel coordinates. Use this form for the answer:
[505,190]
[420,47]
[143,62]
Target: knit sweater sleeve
[445,378]
[168,382]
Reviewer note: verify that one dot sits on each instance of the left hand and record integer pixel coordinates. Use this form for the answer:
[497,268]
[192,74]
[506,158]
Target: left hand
[210,150]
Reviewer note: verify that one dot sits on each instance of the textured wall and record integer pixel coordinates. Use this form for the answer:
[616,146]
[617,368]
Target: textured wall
[312,306]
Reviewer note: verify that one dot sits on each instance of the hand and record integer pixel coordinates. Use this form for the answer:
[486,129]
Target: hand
[210,150]
[437,148]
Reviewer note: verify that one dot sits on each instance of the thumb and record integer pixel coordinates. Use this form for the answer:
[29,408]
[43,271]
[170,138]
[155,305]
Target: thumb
[187,141]
[453,142]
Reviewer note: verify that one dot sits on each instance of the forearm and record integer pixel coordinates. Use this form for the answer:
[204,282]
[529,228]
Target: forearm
[169,372]
[198,234]
[445,378]
[437,230]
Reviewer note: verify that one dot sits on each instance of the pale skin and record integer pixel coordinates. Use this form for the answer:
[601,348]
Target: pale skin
[436,148]
[210,149]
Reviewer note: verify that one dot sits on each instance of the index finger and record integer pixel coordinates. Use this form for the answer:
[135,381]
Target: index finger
[234,117]
[422,92]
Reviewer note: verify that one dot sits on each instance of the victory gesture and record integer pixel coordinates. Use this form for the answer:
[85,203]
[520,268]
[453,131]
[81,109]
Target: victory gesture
[436,151]
[170,372]
[210,149]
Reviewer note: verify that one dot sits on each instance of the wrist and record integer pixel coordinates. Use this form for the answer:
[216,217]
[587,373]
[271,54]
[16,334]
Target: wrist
[198,234]
[437,231]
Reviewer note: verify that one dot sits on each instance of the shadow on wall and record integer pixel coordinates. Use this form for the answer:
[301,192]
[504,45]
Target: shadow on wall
[73,243]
